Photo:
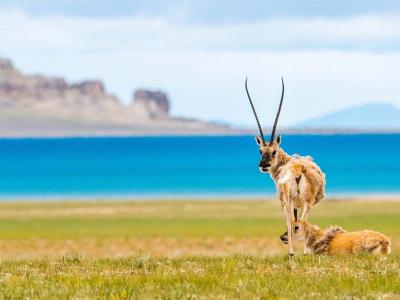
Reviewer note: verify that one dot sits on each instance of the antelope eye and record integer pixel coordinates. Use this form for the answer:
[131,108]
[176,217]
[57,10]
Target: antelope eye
[273,153]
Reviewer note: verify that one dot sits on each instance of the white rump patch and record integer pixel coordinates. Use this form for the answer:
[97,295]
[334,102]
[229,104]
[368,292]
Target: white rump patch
[286,178]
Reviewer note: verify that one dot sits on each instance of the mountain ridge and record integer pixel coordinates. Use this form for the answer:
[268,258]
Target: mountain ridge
[38,105]
[367,116]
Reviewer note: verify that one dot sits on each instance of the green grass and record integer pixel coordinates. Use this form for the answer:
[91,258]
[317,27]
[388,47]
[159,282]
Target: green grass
[154,249]
[182,219]
[230,277]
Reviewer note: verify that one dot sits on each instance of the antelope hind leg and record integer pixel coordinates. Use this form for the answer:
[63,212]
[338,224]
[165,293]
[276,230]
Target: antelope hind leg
[284,236]
[289,225]
[304,215]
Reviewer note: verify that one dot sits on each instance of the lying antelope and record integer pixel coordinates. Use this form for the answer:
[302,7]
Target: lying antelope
[299,181]
[335,240]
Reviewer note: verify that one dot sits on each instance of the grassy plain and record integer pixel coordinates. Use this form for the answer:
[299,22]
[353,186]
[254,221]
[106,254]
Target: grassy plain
[186,249]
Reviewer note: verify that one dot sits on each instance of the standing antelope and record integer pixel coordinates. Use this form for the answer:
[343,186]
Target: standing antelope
[299,181]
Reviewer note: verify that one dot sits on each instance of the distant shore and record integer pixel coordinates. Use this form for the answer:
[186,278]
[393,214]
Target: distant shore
[217,131]
[374,197]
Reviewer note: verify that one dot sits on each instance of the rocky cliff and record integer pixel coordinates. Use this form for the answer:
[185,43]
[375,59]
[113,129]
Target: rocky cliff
[151,104]
[36,105]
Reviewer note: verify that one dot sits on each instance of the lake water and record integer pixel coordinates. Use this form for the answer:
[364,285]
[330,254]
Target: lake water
[188,166]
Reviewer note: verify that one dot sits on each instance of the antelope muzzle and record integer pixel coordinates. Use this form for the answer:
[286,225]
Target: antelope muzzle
[284,237]
[264,165]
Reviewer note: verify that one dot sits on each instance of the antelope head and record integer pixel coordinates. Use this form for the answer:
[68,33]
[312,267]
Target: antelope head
[271,151]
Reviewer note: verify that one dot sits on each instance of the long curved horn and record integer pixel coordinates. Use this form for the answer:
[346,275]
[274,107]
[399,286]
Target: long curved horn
[277,114]
[255,114]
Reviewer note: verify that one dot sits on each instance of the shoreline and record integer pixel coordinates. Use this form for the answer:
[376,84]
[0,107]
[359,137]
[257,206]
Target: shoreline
[238,133]
[187,198]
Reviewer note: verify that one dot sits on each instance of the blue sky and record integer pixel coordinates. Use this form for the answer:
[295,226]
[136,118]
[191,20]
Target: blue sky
[332,54]
[206,11]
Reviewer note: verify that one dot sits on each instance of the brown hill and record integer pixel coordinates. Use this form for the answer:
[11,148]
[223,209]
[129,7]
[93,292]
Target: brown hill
[36,105]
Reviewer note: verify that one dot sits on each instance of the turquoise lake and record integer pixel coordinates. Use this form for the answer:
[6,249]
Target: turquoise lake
[188,166]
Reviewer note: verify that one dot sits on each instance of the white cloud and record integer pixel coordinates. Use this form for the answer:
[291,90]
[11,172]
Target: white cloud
[203,67]
[60,33]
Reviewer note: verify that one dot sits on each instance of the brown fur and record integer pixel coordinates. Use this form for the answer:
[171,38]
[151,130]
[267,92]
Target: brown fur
[300,182]
[335,240]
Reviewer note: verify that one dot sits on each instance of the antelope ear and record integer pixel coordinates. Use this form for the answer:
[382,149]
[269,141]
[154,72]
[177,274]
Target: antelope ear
[258,141]
[279,139]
